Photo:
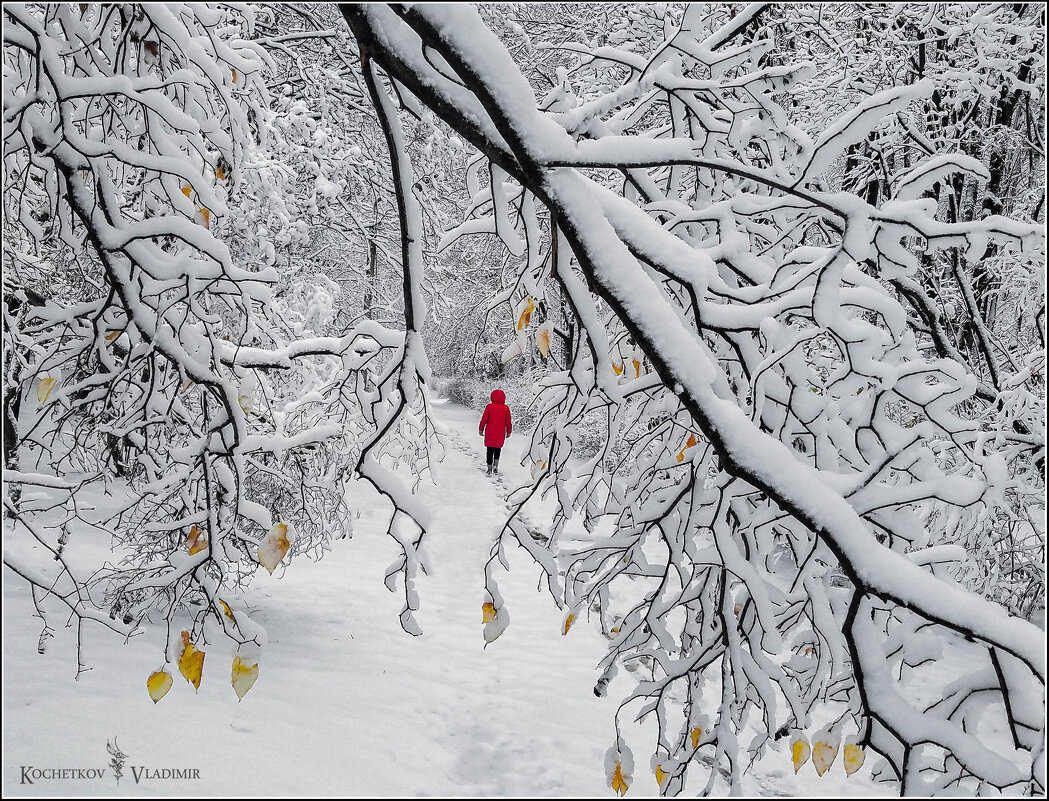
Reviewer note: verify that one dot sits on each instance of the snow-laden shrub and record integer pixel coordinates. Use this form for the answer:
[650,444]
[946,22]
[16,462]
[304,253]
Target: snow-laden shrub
[476,393]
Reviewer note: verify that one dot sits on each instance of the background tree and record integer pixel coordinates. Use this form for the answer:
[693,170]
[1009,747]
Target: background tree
[984,306]
[136,172]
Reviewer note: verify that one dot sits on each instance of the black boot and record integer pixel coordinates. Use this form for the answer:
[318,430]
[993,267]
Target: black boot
[495,467]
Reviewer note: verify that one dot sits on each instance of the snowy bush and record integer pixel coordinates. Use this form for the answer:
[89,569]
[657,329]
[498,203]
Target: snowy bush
[468,392]
[476,393]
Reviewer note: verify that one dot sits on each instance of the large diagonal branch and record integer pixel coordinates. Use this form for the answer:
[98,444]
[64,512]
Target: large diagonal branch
[680,358]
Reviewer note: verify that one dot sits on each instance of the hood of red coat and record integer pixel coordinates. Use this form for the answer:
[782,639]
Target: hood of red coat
[498,396]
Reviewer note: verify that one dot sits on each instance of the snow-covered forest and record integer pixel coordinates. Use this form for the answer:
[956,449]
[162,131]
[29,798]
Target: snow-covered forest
[764,286]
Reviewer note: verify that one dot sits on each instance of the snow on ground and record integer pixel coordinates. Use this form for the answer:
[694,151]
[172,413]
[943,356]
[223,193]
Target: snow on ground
[347,703]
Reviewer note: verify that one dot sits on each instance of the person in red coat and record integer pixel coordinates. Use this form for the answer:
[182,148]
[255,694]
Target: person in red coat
[496,427]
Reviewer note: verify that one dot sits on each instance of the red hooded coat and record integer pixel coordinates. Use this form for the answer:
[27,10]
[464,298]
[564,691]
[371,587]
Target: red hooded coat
[497,419]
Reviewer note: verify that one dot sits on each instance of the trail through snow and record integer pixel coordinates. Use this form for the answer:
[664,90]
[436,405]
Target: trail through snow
[347,703]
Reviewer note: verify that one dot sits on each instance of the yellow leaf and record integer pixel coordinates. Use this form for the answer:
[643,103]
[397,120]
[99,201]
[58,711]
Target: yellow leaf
[205,216]
[113,335]
[44,388]
[853,758]
[525,313]
[234,76]
[696,734]
[568,623]
[637,368]
[799,751]
[220,172]
[187,190]
[196,541]
[226,610]
[823,756]
[660,775]
[191,662]
[488,613]
[158,684]
[244,676]
[615,629]
[542,340]
[274,546]
[691,441]
[619,784]
[617,367]
[681,456]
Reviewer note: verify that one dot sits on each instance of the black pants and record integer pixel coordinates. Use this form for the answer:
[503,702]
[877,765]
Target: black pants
[493,455]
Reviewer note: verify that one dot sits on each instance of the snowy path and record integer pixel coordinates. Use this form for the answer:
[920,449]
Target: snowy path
[346,702]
